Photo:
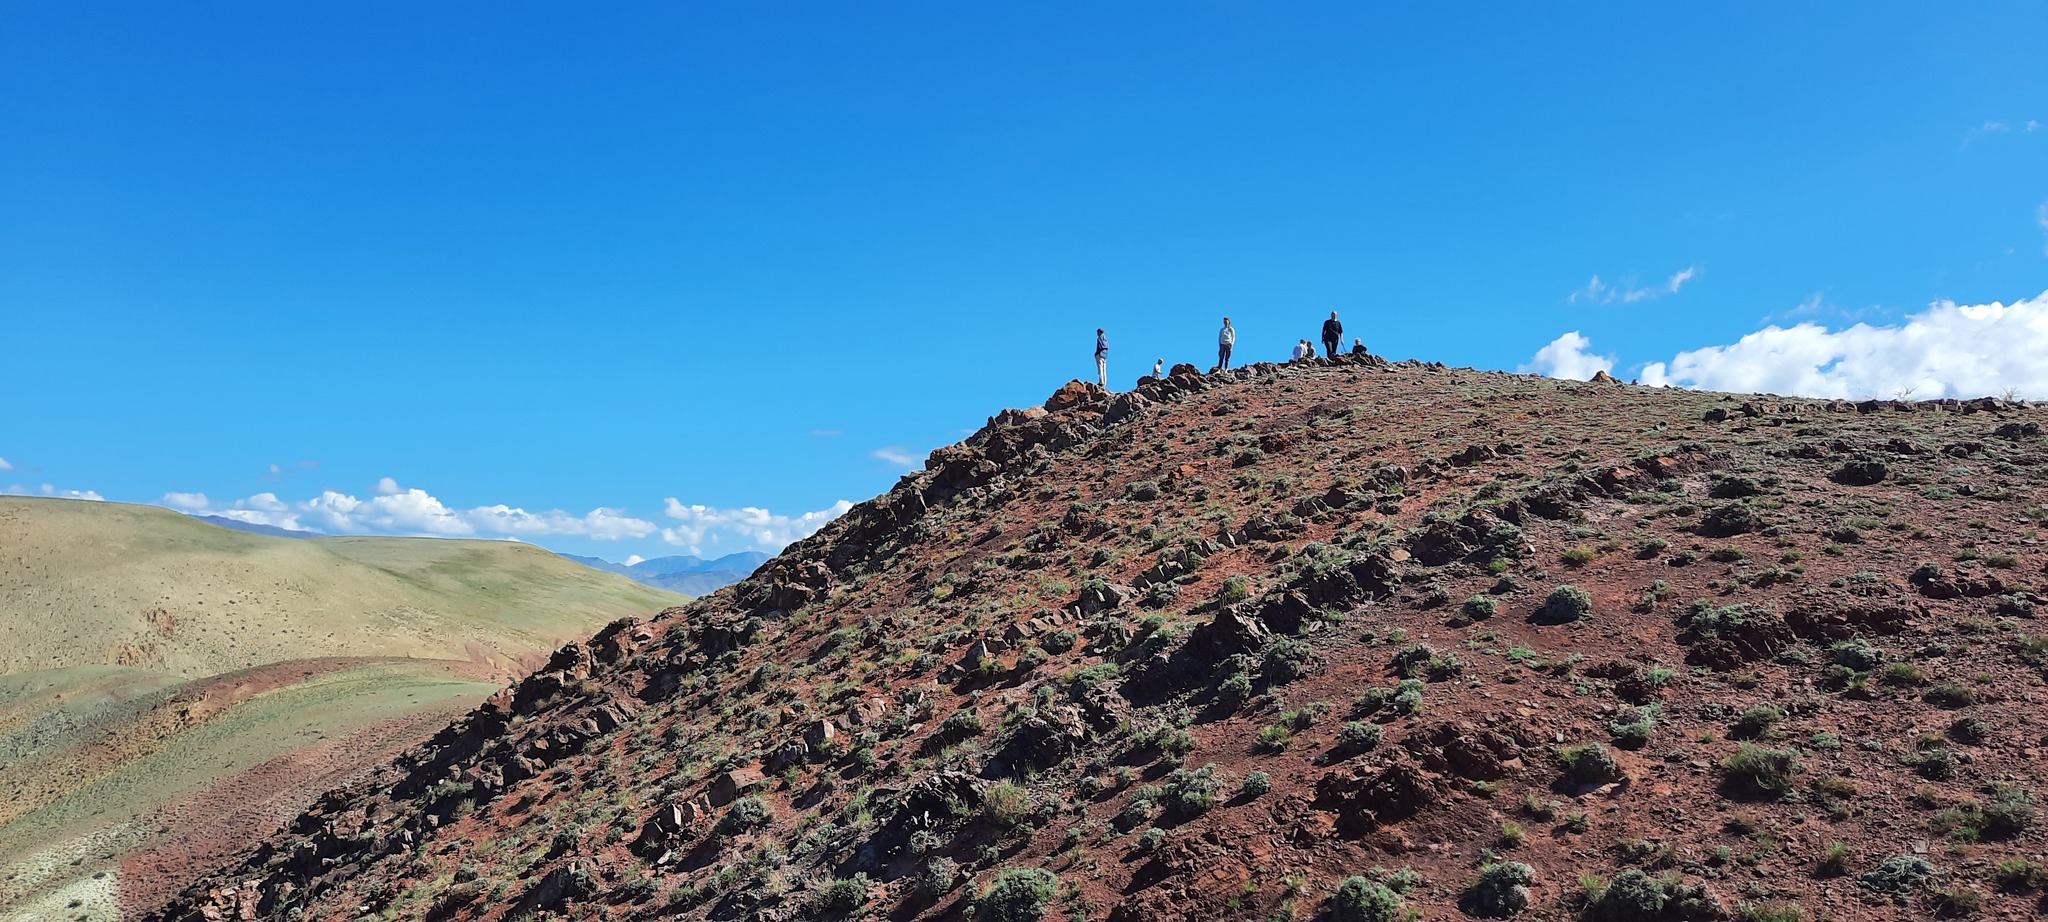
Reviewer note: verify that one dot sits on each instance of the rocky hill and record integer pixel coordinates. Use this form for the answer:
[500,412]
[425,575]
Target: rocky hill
[1337,639]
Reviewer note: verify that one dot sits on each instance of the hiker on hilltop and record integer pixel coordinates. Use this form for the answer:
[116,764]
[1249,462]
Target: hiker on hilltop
[1357,346]
[1333,333]
[1224,340]
[1302,350]
[1157,366]
[1101,359]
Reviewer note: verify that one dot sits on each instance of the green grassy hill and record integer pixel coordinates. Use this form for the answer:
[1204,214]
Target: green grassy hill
[92,584]
[157,672]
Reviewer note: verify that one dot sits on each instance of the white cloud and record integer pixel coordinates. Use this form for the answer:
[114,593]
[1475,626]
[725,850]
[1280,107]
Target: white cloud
[1995,126]
[1626,291]
[2041,218]
[706,531]
[399,510]
[50,490]
[895,454]
[4,466]
[1566,357]
[193,501]
[396,510]
[1947,350]
[827,433]
[633,560]
[2033,125]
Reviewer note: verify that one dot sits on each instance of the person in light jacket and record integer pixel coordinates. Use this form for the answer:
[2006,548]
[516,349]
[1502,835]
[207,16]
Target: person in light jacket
[1224,340]
[1101,358]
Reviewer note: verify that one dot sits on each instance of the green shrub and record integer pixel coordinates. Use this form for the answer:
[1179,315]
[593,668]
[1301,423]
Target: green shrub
[1728,519]
[1758,771]
[1901,675]
[1286,659]
[1234,590]
[1951,695]
[1479,608]
[963,722]
[1589,763]
[745,815]
[1192,791]
[2018,875]
[1861,472]
[1633,728]
[1273,739]
[1564,604]
[1360,899]
[1018,895]
[1255,784]
[1754,722]
[2008,812]
[1502,890]
[1357,736]
[844,896]
[1898,874]
[1971,730]
[1577,556]
[1008,804]
[1769,912]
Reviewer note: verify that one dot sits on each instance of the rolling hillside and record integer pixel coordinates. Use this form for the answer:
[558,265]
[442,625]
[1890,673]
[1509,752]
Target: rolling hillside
[163,679]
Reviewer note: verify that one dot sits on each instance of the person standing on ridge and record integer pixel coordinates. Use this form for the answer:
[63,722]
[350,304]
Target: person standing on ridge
[1101,358]
[1333,333]
[1224,340]
[1157,368]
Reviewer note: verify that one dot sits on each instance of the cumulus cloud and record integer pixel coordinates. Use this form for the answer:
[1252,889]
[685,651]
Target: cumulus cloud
[396,510]
[1946,350]
[706,531]
[1566,357]
[4,466]
[1626,291]
[2041,218]
[895,454]
[47,489]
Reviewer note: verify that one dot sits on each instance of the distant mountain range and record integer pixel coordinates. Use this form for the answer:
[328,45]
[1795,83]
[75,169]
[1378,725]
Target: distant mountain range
[683,573]
[680,573]
[254,528]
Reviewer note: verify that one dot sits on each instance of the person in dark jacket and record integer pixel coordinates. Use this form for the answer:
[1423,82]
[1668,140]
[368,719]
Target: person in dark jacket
[1333,333]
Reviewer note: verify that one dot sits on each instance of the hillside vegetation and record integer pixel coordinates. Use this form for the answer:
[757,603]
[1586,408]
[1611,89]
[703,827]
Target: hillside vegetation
[1333,640]
[172,687]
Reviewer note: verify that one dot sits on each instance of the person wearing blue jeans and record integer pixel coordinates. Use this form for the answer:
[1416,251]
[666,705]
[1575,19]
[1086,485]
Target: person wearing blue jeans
[1225,339]
[1102,359]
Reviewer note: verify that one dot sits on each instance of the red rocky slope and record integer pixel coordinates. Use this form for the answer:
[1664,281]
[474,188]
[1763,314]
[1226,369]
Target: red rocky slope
[1494,644]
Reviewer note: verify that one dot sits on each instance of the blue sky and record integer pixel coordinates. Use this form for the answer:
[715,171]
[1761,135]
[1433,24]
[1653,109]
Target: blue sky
[625,261]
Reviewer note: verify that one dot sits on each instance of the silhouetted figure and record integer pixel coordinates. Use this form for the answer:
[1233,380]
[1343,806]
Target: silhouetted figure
[1333,333]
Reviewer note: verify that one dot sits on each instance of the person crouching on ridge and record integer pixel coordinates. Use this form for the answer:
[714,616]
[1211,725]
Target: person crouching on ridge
[1333,333]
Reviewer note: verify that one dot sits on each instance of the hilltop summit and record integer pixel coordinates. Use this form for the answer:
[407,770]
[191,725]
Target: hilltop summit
[1337,636]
